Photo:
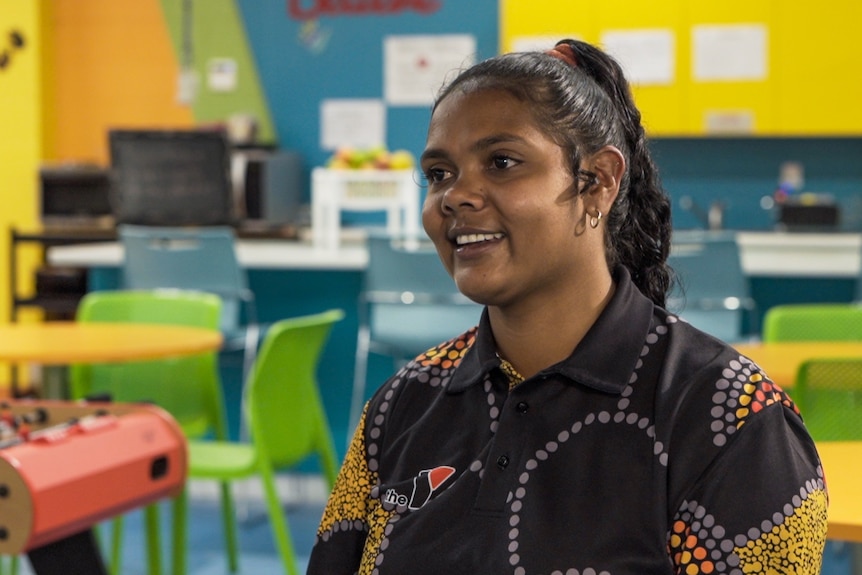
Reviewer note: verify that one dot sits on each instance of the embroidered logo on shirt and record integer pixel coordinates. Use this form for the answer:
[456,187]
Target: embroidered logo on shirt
[424,484]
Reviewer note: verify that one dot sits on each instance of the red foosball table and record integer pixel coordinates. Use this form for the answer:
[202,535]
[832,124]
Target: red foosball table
[65,466]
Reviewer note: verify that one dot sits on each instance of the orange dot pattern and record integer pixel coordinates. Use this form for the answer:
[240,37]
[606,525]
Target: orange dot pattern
[448,355]
[742,391]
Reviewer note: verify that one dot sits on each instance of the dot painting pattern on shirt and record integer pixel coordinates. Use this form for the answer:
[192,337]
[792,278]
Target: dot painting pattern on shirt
[741,392]
[783,545]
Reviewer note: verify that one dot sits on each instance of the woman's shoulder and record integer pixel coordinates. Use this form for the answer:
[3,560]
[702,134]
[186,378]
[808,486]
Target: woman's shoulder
[707,377]
[429,372]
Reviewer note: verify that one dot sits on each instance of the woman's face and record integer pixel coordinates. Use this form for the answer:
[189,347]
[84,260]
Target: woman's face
[501,205]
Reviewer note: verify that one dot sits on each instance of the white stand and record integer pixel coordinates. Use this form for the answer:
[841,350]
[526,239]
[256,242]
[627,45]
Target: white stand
[332,191]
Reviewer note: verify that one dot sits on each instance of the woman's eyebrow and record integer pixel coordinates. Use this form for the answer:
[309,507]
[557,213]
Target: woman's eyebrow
[433,154]
[478,145]
[496,139]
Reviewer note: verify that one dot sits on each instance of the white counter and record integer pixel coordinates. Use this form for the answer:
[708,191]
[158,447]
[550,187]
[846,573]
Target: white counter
[784,254]
[253,254]
[771,254]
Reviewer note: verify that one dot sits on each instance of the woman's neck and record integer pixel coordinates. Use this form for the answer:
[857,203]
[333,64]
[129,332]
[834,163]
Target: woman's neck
[532,338]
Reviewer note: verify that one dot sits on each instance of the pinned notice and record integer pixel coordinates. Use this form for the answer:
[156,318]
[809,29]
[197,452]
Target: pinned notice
[729,53]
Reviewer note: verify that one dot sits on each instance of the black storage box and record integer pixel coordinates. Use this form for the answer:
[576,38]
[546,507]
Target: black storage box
[809,214]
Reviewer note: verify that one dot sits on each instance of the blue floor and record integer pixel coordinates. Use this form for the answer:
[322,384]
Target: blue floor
[206,556]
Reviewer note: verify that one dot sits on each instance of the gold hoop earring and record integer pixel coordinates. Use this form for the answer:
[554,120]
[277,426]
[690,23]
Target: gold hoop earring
[594,220]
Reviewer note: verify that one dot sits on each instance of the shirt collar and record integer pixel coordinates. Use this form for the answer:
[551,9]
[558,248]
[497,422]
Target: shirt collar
[603,360]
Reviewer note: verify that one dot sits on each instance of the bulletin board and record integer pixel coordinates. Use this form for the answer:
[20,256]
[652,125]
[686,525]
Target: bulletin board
[796,72]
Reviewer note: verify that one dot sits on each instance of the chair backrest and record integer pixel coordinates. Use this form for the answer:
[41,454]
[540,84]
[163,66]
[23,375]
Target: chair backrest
[828,393]
[813,322]
[283,404]
[410,300]
[709,268]
[186,258]
[187,387]
[712,290]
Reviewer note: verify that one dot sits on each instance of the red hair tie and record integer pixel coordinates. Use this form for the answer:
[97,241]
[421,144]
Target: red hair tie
[565,53]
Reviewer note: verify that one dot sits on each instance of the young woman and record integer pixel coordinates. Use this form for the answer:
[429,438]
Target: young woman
[580,428]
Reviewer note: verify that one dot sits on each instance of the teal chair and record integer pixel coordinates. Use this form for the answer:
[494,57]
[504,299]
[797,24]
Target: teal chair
[813,322]
[187,387]
[287,425]
[195,258]
[408,303]
[712,292]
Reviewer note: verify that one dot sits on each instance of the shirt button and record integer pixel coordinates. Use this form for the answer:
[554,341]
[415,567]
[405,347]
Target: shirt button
[522,407]
[503,462]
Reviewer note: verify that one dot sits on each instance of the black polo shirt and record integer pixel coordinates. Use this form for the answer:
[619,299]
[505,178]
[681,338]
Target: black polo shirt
[653,448]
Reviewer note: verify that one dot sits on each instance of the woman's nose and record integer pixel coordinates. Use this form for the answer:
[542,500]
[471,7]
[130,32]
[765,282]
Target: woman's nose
[466,192]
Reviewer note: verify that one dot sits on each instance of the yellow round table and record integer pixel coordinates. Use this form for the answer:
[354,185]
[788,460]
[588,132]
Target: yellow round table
[842,462]
[63,343]
[59,344]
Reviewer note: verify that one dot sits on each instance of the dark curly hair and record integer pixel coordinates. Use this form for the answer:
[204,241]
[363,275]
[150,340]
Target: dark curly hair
[584,108]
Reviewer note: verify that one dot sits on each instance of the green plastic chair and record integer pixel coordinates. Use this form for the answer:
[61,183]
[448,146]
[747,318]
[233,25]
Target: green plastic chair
[828,393]
[813,322]
[287,424]
[187,387]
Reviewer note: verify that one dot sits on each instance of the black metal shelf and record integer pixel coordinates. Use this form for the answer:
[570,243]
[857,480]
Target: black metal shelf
[54,305]
[51,304]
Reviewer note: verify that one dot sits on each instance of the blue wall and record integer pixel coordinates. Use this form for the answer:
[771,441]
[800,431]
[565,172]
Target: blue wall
[740,171]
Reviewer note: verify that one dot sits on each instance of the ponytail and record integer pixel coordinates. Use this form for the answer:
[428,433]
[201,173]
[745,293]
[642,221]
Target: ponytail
[639,224]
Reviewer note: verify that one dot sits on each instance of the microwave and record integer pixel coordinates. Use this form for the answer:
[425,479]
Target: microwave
[75,195]
[267,185]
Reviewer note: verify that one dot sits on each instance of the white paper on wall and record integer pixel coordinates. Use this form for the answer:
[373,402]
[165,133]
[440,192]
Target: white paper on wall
[730,53]
[648,57]
[354,123]
[222,74]
[416,67]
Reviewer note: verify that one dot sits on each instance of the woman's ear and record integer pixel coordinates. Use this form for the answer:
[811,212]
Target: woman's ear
[609,166]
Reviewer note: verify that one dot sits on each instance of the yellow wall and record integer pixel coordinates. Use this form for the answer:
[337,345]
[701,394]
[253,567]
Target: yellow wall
[21,135]
[810,86]
[55,104]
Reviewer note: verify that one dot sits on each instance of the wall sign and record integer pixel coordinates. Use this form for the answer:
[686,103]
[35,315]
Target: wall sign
[416,67]
[311,9]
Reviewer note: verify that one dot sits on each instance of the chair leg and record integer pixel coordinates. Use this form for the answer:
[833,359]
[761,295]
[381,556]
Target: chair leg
[154,546]
[280,531]
[13,565]
[117,545]
[180,533]
[230,529]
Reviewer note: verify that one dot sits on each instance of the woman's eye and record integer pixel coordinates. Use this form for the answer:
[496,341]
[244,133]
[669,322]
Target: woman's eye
[435,175]
[501,162]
